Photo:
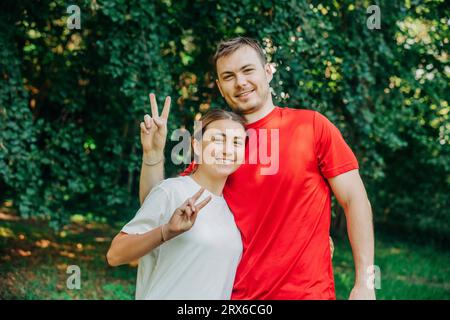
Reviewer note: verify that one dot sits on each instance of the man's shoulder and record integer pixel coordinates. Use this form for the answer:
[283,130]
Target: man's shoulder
[298,115]
[297,112]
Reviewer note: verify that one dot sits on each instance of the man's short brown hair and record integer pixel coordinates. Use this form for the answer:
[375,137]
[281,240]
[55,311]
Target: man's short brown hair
[229,46]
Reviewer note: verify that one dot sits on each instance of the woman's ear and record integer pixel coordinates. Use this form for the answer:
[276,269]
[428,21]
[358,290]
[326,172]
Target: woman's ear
[197,150]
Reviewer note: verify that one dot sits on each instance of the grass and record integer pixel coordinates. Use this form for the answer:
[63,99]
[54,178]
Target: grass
[34,260]
[408,271]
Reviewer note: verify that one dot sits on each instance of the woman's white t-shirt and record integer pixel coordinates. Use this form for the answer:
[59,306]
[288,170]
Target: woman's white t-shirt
[198,264]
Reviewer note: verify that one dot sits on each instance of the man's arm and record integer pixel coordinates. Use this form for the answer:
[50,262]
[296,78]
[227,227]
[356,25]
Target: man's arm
[351,195]
[153,140]
[151,175]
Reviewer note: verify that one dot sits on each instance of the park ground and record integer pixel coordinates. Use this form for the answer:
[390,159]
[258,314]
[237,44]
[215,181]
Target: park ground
[34,260]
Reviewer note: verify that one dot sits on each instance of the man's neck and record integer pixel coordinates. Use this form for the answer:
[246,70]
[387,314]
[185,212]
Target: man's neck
[261,113]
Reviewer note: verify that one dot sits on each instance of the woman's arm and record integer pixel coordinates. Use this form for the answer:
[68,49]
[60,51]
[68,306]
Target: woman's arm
[129,247]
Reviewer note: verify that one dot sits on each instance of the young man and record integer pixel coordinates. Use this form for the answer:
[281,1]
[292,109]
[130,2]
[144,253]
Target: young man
[284,215]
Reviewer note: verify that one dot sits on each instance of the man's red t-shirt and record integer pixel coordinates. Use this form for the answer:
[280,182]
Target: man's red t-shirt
[284,214]
[284,218]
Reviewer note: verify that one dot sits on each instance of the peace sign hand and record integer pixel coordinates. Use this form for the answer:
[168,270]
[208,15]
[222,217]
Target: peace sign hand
[184,217]
[154,130]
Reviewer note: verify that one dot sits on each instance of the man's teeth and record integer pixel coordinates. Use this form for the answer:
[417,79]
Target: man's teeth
[245,93]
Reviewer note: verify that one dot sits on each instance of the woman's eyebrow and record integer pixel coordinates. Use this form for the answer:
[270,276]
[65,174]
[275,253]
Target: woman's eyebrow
[221,134]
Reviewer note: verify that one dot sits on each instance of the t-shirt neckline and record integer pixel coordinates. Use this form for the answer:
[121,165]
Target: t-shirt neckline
[206,190]
[265,119]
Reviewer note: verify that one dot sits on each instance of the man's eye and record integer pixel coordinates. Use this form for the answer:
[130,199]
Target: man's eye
[228,78]
[248,70]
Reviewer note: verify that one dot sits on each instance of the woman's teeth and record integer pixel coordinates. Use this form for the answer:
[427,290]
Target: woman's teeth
[224,161]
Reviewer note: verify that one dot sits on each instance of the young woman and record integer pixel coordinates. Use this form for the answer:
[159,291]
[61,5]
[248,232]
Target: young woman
[184,253]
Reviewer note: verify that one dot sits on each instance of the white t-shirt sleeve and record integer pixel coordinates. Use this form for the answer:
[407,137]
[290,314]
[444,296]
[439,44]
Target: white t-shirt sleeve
[150,215]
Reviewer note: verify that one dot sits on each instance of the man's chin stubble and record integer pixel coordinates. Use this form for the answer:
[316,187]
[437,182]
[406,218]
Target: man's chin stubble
[244,111]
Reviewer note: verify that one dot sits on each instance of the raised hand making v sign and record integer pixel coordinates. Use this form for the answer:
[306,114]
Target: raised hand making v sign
[153,139]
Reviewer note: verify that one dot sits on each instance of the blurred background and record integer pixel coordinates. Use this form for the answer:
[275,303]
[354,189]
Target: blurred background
[71,101]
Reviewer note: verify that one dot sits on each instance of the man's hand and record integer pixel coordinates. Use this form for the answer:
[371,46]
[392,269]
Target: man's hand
[331,247]
[362,292]
[154,131]
[351,195]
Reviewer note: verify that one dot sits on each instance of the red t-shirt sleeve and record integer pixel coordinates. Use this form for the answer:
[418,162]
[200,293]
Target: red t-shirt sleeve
[333,155]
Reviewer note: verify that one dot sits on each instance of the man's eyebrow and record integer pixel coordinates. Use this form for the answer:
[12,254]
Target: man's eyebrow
[247,65]
[225,73]
[242,68]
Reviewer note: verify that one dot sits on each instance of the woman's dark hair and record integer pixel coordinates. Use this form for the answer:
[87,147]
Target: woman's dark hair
[214,115]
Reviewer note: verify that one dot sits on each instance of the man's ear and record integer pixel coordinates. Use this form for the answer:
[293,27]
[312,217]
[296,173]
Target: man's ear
[269,72]
[220,88]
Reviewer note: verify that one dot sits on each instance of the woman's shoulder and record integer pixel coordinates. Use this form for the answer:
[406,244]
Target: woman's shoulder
[175,186]
[173,182]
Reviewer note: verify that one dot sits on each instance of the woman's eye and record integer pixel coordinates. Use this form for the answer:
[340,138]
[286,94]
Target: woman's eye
[217,139]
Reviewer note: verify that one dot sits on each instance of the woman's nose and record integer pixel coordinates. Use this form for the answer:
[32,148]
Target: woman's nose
[228,149]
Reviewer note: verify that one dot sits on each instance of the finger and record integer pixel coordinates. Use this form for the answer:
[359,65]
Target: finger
[160,122]
[197,194]
[182,207]
[148,121]
[199,206]
[191,204]
[166,109]
[184,204]
[153,105]
[188,211]
[144,129]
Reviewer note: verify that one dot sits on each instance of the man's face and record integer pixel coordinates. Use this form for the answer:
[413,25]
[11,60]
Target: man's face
[243,80]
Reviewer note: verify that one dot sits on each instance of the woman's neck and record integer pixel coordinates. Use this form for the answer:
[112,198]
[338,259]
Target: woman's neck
[212,184]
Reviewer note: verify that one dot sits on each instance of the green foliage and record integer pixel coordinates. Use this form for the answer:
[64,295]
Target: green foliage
[71,100]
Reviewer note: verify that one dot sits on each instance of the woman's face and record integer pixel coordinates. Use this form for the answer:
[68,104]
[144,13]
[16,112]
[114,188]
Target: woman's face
[222,147]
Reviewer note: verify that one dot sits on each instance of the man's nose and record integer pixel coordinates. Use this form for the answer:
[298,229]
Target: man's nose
[241,81]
